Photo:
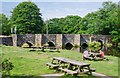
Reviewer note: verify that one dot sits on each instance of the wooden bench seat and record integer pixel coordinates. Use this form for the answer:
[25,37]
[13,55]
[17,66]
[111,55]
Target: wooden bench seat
[52,65]
[91,69]
[69,71]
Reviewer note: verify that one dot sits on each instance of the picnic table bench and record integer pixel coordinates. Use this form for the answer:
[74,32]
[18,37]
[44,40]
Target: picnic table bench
[70,66]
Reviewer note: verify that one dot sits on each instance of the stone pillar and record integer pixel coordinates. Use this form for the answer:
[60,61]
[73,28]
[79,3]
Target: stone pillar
[77,42]
[38,38]
[59,40]
[14,37]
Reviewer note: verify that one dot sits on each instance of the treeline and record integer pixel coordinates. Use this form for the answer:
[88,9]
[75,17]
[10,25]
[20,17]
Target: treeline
[104,21]
[26,19]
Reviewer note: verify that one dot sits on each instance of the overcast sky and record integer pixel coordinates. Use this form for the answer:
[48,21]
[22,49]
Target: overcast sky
[57,8]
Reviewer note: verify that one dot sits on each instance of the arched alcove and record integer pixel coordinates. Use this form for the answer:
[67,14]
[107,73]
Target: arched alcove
[51,44]
[68,46]
[84,45]
[27,44]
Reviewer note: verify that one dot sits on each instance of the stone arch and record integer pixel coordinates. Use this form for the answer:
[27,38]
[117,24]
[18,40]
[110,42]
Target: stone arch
[68,46]
[101,42]
[84,45]
[51,44]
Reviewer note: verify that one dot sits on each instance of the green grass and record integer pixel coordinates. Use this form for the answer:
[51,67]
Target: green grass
[34,62]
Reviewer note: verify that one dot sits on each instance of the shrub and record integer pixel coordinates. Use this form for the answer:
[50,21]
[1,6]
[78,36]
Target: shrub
[118,45]
[94,46]
[108,45]
[7,65]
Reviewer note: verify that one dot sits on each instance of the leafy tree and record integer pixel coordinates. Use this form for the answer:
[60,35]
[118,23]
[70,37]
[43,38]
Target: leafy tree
[26,18]
[4,24]
[67,25]
[104,21]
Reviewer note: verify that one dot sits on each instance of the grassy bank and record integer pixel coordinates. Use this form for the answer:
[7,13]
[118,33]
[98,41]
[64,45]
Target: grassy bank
[34,62]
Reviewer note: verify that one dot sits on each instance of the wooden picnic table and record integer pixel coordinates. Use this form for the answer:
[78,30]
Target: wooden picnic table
[74,67]
[42,48]
[95,54]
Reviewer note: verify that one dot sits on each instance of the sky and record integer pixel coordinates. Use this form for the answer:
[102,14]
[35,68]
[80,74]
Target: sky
[57,8]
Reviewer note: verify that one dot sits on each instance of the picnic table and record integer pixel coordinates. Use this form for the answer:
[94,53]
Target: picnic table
[94,56]
[70,66]
[42,48]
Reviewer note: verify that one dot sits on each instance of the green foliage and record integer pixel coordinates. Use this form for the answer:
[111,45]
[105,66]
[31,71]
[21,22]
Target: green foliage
[67,25]
[7,66]
[26,18]
[76,46]
[4,25]
[94,46]
[108,45]
[118,45]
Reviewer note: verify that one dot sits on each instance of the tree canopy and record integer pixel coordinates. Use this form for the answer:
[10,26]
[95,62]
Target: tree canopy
[26,17]
[4,25]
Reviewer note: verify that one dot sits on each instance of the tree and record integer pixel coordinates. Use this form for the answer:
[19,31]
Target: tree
[68,25]
[4,24]
[26,18]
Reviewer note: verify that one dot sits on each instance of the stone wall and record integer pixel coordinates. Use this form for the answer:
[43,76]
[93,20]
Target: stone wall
[7,41]
[68,38]
[38,39]
[77,42]
[21,39]
[59,40]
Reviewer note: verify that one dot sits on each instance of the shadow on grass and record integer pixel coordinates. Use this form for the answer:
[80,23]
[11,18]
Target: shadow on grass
[21,76]
[43,51]
[64,76]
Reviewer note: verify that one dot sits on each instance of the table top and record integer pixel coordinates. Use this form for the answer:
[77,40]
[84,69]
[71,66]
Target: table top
[74,62]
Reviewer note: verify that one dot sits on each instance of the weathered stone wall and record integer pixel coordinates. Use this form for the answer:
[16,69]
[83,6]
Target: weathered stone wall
[14,37]
[68,38]
[38,39]
[7,41]
[59,38]
[77,42]
[21,39]
[49,38]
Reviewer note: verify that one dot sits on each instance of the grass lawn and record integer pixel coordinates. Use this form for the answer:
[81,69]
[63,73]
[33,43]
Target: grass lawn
[34,62]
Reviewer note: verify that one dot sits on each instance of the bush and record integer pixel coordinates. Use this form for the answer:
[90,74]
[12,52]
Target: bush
[108,45]
[94,46]
[6,67]
[118,45]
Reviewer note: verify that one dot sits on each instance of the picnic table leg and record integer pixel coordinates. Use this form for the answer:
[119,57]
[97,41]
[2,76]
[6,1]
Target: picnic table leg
[42,49]
[90,72]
